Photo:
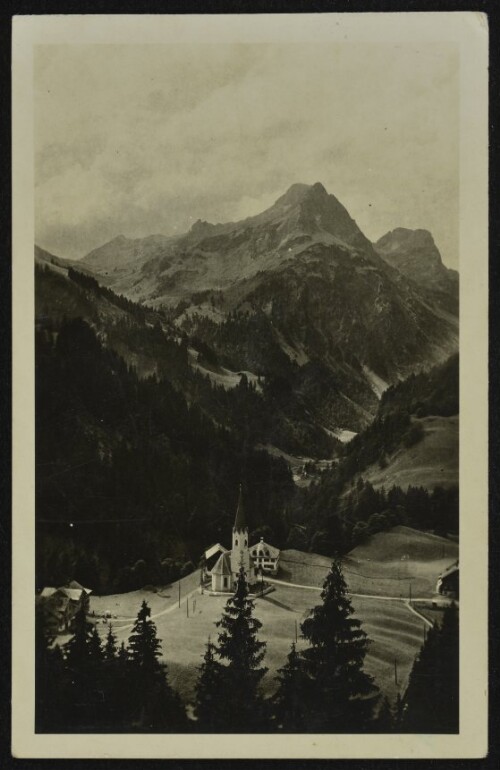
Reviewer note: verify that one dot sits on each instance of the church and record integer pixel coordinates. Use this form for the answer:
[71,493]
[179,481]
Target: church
[223,566]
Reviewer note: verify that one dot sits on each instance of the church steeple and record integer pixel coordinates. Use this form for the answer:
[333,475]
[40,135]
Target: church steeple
[240,554]
[240,521]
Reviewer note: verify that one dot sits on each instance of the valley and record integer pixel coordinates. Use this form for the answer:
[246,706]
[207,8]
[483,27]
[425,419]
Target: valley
[389,562]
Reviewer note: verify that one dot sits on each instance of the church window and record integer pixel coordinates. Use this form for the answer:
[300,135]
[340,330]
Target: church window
[246,543]
[236,541]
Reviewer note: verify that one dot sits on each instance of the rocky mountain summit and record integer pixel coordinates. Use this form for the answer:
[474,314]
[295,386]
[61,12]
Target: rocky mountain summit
[298,292]
[414,253]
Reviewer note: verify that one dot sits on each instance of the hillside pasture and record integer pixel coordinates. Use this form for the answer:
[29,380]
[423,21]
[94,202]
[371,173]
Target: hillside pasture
[384,565]
[394,631]
[378,574]
[388,563]
[432,462]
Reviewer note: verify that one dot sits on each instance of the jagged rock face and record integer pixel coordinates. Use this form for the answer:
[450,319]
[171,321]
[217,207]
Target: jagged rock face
[321,291]
[414,253]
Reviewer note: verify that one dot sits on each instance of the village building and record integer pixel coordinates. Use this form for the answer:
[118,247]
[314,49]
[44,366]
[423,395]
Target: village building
[223,565]
[60,605]
[448,583]
[265,557]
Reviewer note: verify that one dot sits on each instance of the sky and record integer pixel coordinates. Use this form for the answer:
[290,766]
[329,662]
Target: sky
[140,139]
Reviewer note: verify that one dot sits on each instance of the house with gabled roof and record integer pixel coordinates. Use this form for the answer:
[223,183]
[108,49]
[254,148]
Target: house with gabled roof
[265,557]
[60,605]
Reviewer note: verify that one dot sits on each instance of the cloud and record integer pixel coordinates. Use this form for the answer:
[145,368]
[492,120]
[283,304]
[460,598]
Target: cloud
[141,139]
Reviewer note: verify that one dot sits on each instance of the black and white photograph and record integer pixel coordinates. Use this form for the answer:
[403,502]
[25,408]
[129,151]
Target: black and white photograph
[247,312]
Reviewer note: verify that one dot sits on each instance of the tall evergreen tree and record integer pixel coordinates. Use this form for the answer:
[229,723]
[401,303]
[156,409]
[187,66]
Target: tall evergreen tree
[385,717]
[156,706]
[209,705]
[50,679]
[96,653]
[432,697]
[341,695]
[289,706]
[77,648]
[238,645]
[143,645]
[122,653]
[110,646]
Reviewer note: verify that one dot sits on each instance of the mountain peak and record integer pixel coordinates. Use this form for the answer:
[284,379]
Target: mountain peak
[415,254]
[299,192]
[295,193]
[402,241]
[318,188]
[200,227]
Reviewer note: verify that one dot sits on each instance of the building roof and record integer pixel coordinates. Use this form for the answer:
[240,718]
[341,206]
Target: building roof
[48,591]
[223,565]
[72,593]
[76,584]
[265,550]
[449,570]
[216,548]
[240,519]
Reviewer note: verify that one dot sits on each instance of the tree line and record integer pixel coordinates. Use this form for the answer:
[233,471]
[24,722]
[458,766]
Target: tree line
[91,685]
[338,518]
[129,472]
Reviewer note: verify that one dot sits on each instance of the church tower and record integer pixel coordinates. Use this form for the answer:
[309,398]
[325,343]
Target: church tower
[240,555]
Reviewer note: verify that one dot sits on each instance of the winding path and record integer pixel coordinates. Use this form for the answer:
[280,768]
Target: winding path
[406,602]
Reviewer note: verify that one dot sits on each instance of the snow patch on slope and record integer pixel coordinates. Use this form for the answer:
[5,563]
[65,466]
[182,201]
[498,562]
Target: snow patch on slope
[342,435]
[377,384]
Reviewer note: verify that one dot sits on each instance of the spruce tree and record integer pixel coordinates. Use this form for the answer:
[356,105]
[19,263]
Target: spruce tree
[83,666]
[289,708]
[209,706]
[144,647]
[77,648]
[51,706]
[432,696]
[110,646]
[385,719]
[95,651]
[156,706]
[449,693]
[341,694]
[399,710]
[122,653]
[238,645]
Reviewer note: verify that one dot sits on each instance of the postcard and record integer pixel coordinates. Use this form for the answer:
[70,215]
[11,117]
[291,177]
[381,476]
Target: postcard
[250,262]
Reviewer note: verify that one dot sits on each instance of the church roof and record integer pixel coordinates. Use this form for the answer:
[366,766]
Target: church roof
[240,520]
[223,564]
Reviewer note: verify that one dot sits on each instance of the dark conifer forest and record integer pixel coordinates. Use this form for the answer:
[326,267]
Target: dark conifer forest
[132,482]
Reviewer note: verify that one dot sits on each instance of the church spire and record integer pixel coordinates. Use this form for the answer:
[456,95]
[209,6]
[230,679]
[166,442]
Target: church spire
[240,520]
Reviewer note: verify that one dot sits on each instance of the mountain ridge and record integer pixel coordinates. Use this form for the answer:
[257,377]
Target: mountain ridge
[298,285]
